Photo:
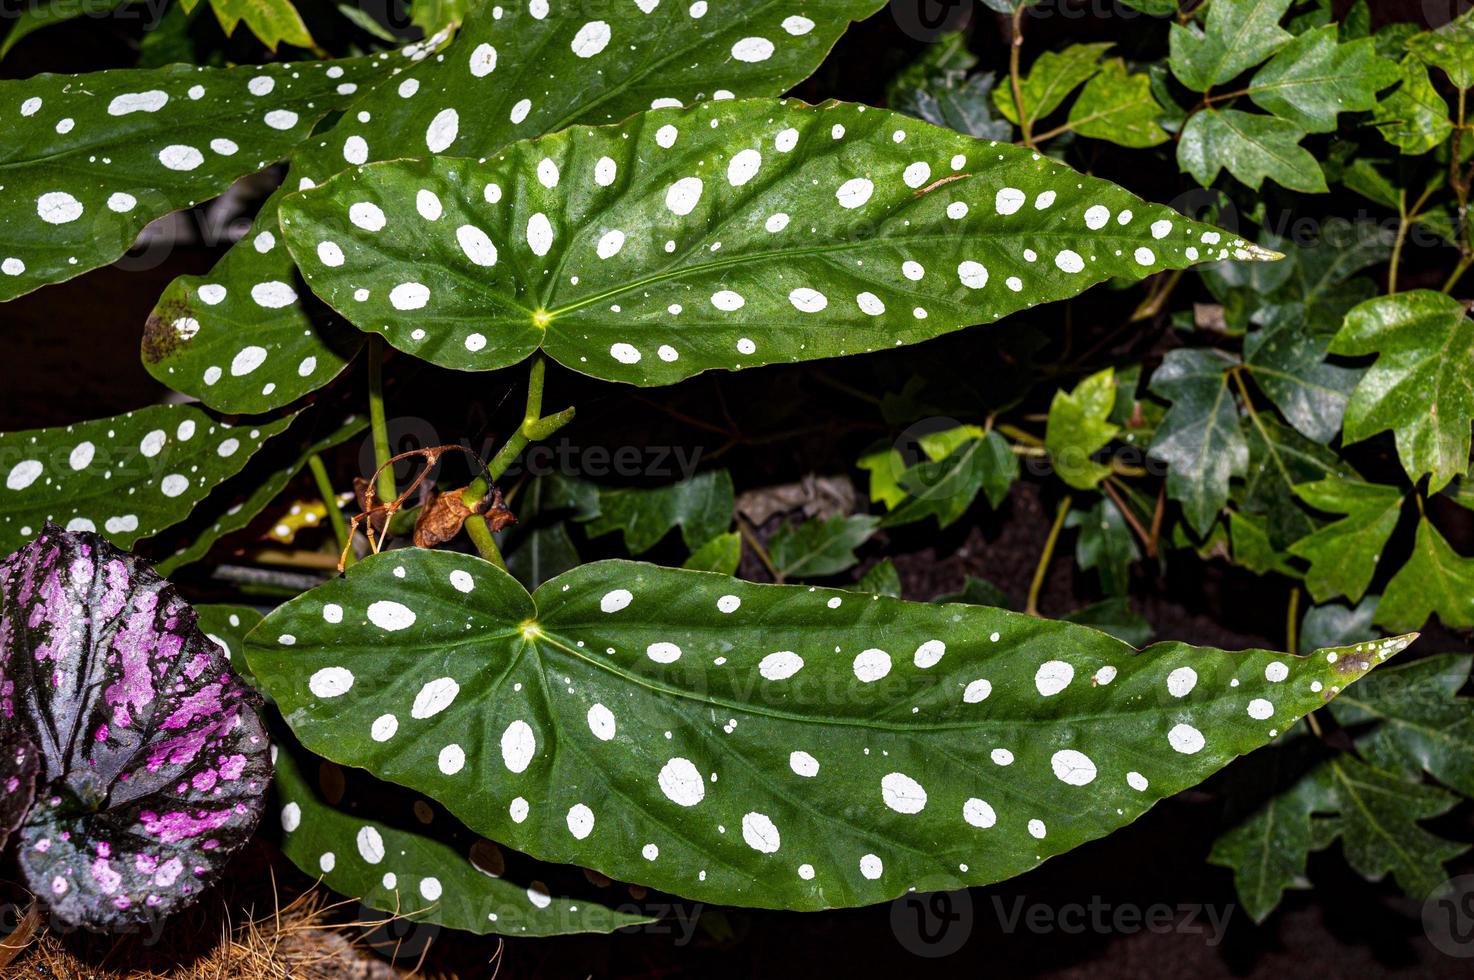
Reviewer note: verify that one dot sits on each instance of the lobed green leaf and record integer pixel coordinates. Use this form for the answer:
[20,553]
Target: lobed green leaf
[778,746]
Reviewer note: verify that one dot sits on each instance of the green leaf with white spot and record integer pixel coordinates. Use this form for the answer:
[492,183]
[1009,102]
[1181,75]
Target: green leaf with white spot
[825,748]
[701,507]
[87,160]
[242,499]
[1200,438]
[727,235]
[1315,77]
[1238,35]
[1343,555]
[1435,579]
[404,855]
[1051,79]
[228,625]
[1079,427]
[512,72]
[128,476]
[1118,107]
[1252,147]
[819,547]
[1422,384]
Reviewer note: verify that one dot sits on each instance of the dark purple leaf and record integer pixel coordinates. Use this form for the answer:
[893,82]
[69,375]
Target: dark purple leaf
[18,763]
[153,764]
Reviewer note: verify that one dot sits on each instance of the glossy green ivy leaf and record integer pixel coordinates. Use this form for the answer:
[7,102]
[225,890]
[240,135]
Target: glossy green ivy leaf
[1279,459]
[1252,147]
[1238,35]
[242,499]
[1424,725]
[1343,555]
[1314,78]
[1450,47]
[1376,816]
[513,72]
[1078,428]
[1420,385]
[87,160]
[397,853]
[1435,579]
[1200,438]
[1114,617]
[539,546]
[976,592]
[1414,117]
[945,486]
[1289,365]
[727,235]
[722,553]
[1158,8]
[1050,80]
[825,749]
[701,507]
[881,579]
[128,476]
[26,19]
[1104,542]
[1118,107]
[938,89]
[1335,624]
[1248,537]
[273,22]
[820,547]
[1268,848]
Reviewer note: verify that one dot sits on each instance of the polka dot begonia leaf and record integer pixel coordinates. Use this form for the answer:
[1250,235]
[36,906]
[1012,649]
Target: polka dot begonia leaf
[776,746]
[87,160]
[242,500]
[153,764]
[400,853]
[514,71]
[227,625]
[725,235]
[127,477]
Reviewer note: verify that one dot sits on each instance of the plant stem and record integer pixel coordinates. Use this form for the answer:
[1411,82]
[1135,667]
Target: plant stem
[1458,273]
[750,537]
[1046,556]
[330,503]
[1015,50]
[387,489]
[1292,621]
[534,428]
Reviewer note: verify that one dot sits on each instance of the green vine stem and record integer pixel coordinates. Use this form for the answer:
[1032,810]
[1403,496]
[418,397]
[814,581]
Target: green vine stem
[330,504]
[387,489]
[1046,556]
[535,427]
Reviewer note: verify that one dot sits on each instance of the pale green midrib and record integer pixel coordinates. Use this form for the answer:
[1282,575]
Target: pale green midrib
[818,251]
[1352,789]
[795,718]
